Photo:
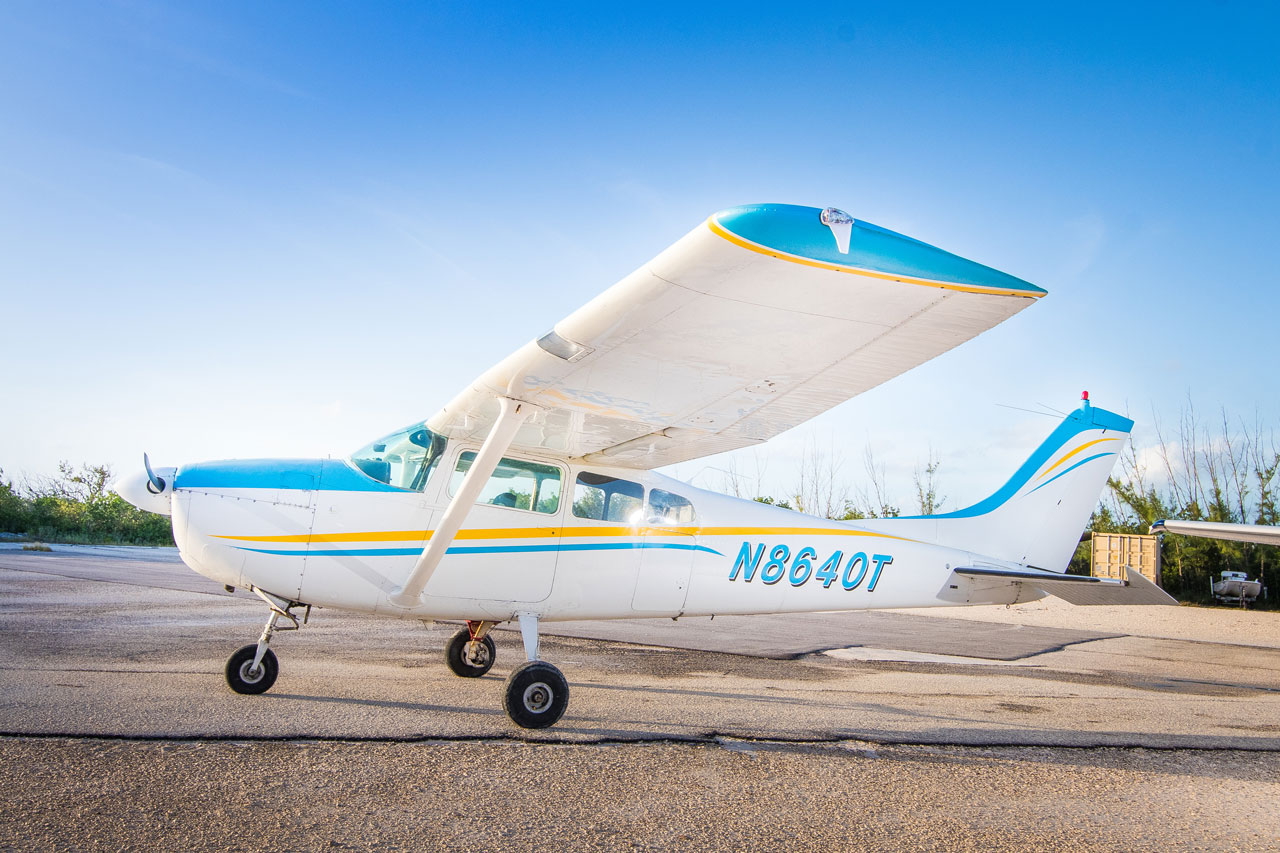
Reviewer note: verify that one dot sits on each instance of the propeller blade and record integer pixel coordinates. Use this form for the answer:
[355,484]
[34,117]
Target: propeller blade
[155,484]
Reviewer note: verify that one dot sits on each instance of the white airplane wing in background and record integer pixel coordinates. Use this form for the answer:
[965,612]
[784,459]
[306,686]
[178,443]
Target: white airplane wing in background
[1259,534]
[759,319]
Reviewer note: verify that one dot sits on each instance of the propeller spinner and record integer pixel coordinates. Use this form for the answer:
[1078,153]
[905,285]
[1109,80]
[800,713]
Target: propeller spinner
[148,489]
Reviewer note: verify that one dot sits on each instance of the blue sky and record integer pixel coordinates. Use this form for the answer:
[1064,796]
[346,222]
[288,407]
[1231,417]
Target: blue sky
[283,229]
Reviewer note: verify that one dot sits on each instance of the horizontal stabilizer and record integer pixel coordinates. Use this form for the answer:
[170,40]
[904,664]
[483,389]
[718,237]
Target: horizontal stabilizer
[1078,589]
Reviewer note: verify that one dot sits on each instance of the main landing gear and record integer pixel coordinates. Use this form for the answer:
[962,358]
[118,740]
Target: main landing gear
[536,693]
[253,669]
[535,696]
[470,652]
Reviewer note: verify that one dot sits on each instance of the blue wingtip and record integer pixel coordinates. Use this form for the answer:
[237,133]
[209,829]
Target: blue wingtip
[799,230]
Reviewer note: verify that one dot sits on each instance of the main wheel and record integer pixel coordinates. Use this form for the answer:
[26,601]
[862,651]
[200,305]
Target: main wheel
[243,680]
[536,695]
[467,658]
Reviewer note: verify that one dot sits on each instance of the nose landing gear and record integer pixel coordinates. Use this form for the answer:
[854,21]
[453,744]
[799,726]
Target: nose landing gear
[253,668]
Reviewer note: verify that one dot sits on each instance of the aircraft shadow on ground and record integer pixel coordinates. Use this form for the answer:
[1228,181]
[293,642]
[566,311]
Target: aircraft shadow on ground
[417,707]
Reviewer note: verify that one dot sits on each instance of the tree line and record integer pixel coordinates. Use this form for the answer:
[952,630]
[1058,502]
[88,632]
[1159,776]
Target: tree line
[1224,471]
[77,506]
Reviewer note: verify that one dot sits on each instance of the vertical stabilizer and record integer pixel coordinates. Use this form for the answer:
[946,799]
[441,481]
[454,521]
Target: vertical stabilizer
[1037,517]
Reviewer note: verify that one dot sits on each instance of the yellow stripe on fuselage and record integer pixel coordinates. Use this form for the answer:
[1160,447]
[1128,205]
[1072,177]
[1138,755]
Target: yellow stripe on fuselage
[566,532]
[790,531]
[721,231]
[408,535]
[1073,453]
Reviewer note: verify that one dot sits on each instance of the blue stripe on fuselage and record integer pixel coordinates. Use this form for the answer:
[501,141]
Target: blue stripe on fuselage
[1069,470]
[331,475]
[483,549]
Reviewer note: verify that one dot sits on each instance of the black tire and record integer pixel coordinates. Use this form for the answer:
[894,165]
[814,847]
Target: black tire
[481,661]
[242,681]
[536,695]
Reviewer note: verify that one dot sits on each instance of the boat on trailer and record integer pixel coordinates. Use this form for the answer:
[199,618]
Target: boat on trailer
[1236,588]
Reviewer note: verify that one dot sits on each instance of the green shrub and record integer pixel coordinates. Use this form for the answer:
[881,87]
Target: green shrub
[77,506]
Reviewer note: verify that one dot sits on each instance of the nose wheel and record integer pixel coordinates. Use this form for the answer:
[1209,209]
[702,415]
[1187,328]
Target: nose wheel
[244,678]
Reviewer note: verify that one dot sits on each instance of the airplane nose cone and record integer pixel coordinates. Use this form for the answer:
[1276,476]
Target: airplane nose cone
[137,489]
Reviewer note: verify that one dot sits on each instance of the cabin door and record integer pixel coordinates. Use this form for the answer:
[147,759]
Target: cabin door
[665,564]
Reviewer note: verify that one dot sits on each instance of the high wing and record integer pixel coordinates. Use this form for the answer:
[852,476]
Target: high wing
[1260,534]
[757,320]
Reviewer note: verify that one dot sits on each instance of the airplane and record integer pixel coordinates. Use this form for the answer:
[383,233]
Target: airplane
[1258,534]
[531,497]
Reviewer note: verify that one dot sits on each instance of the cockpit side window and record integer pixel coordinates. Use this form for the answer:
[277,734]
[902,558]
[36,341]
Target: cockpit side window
[671,508]
[404,459]
[605,498]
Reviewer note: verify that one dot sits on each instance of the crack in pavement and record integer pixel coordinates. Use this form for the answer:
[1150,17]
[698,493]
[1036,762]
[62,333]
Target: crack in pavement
[727,741]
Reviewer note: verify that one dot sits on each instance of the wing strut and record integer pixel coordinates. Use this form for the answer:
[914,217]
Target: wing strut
[511,415]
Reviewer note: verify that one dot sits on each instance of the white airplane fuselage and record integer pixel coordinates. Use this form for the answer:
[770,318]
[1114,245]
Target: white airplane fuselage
[273,525]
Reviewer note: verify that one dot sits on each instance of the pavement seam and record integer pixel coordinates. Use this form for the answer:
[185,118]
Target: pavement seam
[710,739]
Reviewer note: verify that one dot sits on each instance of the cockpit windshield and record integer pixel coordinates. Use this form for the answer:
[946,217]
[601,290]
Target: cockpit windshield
[404,459]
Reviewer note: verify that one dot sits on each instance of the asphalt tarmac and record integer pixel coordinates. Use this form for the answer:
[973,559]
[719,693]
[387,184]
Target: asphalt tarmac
[843,731]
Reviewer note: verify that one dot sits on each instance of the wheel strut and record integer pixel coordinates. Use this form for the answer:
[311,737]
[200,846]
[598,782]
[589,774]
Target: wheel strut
[279,607]
[479,629]
[265,640]
[253,669]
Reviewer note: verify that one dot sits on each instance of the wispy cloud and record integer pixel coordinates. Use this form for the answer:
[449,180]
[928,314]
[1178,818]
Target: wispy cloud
[152,23]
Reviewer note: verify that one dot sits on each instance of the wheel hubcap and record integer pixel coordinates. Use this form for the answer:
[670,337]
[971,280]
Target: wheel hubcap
[249,675]
[538,697]
[476,653]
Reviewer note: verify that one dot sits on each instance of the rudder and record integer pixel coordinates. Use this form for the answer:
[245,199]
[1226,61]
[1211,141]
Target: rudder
[1036,518]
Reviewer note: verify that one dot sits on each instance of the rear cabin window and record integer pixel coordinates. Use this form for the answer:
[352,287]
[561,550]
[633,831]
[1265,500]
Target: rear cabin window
[671,508]
[515,483]
[603,498]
